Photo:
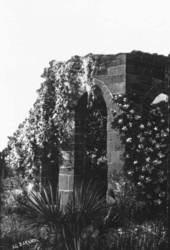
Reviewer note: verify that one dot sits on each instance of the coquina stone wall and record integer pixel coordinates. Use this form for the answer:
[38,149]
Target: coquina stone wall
[141,75]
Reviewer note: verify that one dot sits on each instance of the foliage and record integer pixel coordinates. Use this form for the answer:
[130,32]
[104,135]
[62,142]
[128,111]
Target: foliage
[87,222]
[37,143]
[33,151]
[146,143]
[95,137]
[13,229]
[72,227]
[131,209]
[148,236]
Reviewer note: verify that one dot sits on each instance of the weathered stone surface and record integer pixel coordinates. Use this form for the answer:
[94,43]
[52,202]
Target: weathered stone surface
[136,73]
[71,182]
[67,170]
[64,197]
[117,70]
[63,182]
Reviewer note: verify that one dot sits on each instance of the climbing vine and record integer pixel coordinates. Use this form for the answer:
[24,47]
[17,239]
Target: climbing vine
[146,148]
[38,141]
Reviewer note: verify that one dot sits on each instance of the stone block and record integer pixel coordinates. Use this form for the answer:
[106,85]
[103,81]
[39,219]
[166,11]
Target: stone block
[109,126]
[64,197]
[63,182]
[110,105]
[112,167]
[105,58]
[117,70]
[108,157]
[114,142]
[117,158]
[104,88]
[110,146]
[113,136]
[107,96]
[114,85]
[117,88]
[102,71]
[67,170]
[112,71]
[108,118]
[116,79]
[118,145]
[121,69]
[71,182]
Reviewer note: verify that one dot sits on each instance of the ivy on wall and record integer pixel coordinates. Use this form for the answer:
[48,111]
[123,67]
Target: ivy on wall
[38,141]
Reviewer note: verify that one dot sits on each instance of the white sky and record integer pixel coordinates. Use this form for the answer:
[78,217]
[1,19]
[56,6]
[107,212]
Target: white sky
[34,32]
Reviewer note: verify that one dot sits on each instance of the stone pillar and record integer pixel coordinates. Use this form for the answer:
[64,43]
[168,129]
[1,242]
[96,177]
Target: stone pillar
[66,176]
[66,168]
[72,165]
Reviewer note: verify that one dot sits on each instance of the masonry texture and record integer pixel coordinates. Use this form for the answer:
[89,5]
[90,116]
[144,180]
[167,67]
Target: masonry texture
[141,75]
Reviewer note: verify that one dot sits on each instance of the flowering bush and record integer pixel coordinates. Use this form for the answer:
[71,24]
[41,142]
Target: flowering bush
[146,143]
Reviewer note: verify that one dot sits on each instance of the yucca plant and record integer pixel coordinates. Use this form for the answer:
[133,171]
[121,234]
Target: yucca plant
[43,216]
[85,212]
[77,226]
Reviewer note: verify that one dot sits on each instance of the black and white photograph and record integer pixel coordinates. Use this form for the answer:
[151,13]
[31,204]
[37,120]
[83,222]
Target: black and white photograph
[84,128]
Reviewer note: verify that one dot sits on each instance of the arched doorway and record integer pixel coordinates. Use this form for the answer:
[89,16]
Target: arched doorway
[91,137]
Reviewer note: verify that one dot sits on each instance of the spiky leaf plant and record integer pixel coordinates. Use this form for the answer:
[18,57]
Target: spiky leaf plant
[43,215]
[75,226]
[84,213]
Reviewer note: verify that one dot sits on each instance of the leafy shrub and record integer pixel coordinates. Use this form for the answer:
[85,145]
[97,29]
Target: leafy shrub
[86,222]
[148,236]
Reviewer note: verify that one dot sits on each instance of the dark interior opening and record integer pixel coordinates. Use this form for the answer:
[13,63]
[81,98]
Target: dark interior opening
[91,138]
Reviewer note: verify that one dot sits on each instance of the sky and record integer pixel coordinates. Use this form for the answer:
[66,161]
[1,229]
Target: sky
[34,32]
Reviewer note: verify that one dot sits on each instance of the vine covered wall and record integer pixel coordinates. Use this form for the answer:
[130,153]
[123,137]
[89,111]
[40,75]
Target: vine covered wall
[45,145]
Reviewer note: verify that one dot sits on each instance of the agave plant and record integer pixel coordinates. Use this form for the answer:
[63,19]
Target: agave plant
[76,226]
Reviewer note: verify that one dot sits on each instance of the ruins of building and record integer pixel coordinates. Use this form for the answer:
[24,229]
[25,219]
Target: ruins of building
[141,75]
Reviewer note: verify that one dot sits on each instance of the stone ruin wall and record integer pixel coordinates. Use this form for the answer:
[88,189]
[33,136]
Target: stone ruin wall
[138,74]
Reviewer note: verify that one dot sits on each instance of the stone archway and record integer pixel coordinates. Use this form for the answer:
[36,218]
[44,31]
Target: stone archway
[115,149]
[75,157]
[134,73]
